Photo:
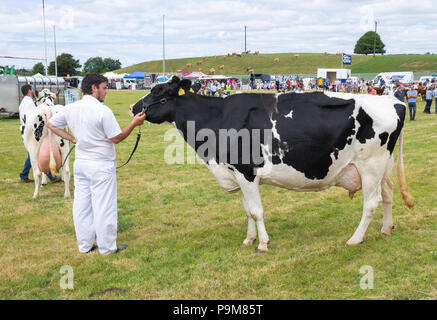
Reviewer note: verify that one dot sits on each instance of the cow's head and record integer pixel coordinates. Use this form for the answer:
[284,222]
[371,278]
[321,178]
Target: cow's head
[159,104]
[46,97]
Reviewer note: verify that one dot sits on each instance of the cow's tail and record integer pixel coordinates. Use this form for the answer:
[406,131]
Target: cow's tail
[406,196]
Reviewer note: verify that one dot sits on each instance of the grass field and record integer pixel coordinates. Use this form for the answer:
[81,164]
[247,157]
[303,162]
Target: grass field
[306,63]
[184,232]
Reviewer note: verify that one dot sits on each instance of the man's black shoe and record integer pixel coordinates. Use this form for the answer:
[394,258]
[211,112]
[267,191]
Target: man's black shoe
[94,247]
[121,248]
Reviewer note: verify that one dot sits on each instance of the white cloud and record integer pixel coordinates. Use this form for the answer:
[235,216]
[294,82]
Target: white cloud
[132,30]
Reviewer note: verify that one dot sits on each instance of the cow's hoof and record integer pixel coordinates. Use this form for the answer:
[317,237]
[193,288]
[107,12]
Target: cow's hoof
[261,249]
[387,231]
[352,242]
[247,242]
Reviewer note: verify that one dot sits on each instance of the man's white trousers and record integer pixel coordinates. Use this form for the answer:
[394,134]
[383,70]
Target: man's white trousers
[95,205]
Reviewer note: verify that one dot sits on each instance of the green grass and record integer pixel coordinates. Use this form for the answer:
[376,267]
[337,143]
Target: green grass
[306,63]
[184,232]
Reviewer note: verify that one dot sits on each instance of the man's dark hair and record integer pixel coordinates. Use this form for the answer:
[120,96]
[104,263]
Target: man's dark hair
[92,79]
[25,89]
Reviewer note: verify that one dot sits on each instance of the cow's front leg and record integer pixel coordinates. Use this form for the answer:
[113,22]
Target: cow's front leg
[251,196]
[251,228]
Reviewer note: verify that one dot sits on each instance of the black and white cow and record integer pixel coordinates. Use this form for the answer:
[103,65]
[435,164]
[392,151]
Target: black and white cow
[47,151]
[318,140]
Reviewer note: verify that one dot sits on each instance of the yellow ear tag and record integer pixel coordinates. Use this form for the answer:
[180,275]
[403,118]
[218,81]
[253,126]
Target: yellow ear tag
[191,90]
[181,92]
[54,96]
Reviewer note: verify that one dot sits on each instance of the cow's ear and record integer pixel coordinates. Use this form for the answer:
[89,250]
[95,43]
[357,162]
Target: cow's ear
[196,87]
[174,79]
[185,84]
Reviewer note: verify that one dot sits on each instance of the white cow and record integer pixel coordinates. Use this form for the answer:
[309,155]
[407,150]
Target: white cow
[47,151]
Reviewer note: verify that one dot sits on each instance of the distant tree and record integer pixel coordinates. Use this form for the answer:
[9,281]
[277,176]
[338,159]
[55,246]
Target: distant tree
[66,65]
[364,45]
[23,72]
[100,65]
[95,64]
[38,68]
[111,64]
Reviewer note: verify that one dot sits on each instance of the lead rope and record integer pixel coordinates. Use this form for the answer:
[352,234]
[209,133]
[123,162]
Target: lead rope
[132,153]
[135,148]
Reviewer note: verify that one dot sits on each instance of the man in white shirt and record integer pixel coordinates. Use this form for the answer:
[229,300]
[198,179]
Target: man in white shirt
[26,105]
[95,131]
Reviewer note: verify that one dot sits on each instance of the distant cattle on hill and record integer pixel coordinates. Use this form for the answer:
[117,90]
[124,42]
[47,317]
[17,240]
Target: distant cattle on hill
[276,60]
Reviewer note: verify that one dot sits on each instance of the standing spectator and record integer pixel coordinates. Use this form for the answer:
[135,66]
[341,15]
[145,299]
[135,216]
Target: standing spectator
[228,89]
[428,98]
[435,97]
[400,94]
[213,88]
[300,89]
[412,96]
[392,92]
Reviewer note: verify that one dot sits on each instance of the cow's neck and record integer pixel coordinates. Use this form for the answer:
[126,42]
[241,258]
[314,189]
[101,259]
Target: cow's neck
[201,111]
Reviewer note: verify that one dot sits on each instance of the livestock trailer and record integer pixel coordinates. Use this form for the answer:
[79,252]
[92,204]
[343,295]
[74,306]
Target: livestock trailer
[11,96]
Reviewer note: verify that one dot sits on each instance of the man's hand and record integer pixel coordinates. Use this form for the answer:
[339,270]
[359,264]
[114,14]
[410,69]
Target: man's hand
[139,119]
[125,132]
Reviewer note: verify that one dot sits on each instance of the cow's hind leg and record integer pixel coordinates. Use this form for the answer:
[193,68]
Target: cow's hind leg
[252,198]
[387,200]
[251,228]
[371,173]
[33,153]
[43,179]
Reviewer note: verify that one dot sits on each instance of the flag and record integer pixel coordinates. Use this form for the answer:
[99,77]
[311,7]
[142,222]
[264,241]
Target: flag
[347,59]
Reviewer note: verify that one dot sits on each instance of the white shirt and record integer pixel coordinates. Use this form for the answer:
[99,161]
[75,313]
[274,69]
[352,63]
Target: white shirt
[26,104]
[92,124]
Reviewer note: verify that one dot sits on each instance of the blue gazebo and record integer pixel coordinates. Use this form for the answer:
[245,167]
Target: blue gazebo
[135,75]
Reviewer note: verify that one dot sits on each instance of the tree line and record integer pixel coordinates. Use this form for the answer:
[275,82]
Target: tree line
[67,65]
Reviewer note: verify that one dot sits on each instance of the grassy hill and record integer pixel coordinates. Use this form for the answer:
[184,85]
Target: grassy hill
[290,63]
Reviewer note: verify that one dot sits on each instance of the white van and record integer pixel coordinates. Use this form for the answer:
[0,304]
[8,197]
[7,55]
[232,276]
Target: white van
[388,77]
[423,79]
[128,83]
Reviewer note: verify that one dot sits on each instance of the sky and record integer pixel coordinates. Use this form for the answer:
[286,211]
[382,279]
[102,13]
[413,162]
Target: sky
[131,30]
